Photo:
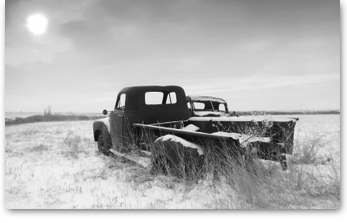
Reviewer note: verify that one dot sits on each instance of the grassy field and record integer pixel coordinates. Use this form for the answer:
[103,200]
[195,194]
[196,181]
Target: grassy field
[56,165]
[49,118]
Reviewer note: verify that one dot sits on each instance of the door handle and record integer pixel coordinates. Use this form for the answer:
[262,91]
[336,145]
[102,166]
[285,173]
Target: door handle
[120,115]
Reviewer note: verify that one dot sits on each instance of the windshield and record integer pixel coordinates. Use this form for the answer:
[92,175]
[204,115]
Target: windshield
[209,106]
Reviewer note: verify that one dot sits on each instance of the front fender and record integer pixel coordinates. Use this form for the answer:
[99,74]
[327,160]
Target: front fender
[98,125]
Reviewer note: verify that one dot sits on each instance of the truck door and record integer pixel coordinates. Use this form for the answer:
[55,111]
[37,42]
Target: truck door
[117,122]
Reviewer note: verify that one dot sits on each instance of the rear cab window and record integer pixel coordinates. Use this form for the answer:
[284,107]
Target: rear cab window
[160,98]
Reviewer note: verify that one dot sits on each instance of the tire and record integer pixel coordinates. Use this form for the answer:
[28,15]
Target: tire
[104,142]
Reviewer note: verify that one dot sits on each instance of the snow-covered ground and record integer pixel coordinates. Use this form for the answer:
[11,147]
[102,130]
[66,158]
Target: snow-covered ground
[323,128]
[57,165]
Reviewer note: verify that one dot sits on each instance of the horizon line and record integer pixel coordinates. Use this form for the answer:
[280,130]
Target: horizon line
[298,110]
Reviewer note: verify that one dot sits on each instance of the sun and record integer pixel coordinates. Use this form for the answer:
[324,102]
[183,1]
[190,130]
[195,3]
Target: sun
[37,23]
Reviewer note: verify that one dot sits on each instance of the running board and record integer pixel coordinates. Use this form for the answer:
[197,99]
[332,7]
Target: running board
[145,162]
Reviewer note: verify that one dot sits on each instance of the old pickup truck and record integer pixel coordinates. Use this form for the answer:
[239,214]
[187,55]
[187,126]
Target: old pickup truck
[208,106]
[147,122]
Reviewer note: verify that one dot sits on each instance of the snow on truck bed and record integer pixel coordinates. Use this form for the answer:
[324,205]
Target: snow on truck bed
[243,138]
[184,142]
[242,119]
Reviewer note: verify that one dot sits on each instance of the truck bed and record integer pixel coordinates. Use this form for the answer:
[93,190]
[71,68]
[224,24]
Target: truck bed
[183,129]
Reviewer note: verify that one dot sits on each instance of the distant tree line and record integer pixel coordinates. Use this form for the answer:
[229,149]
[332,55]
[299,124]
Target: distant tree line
[49,118]
[327,112]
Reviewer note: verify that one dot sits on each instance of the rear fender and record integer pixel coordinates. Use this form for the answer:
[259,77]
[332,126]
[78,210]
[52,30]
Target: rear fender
[174,147]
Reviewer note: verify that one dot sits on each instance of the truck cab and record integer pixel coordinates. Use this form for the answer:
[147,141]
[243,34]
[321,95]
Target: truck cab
[142,104]
[207,106]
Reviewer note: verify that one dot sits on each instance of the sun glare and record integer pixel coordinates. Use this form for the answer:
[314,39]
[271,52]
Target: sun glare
[37,24]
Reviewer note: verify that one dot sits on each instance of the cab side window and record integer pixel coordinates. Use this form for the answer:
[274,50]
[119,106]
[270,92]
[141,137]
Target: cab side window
[121,103]
[222,107]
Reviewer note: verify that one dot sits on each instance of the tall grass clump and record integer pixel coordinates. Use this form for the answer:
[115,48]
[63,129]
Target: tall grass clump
[307,150]
[174,160]
[263,184]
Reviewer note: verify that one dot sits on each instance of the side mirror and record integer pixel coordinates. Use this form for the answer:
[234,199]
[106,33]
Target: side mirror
[104,112]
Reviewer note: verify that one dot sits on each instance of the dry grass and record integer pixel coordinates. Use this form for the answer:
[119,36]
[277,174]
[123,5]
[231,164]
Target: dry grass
[56,165]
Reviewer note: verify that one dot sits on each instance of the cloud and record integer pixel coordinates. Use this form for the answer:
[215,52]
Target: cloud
[259,45]
[262,82]
[39,50]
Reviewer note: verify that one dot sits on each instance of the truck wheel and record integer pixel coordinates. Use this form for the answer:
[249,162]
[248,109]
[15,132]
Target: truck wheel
[104,142]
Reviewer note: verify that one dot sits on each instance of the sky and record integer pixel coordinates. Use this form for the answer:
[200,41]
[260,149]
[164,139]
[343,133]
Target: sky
[255,54]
